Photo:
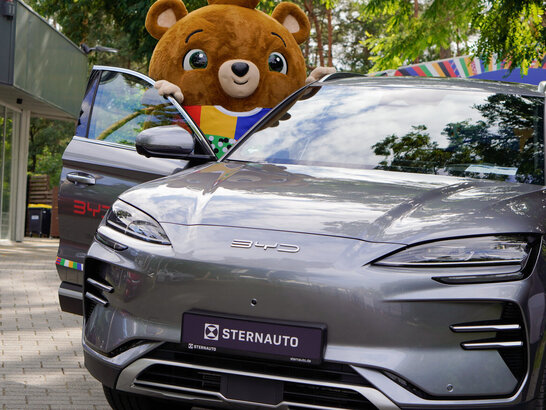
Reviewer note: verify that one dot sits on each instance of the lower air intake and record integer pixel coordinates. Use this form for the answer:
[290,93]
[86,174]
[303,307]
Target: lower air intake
[509,338]
[327,386]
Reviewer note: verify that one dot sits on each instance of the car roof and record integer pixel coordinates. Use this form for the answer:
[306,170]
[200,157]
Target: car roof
[461,84]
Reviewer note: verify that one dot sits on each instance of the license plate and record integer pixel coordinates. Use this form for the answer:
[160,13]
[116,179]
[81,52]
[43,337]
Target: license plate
[295,342]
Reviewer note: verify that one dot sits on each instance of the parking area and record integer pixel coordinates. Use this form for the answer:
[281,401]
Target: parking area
[41,362]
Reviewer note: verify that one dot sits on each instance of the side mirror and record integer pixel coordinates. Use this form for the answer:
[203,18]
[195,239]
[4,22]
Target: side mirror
[168,141]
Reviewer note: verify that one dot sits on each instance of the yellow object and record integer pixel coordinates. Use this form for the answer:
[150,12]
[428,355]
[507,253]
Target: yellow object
[39,206]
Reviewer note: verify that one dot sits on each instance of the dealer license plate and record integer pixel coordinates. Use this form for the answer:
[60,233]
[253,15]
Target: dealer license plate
[218,333]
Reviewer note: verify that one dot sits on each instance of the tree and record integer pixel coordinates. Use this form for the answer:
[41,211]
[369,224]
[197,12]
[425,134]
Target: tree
[431,29]
[414,151]
[507,136]
[350,28]
[512,29]
[48,139]
[418,30]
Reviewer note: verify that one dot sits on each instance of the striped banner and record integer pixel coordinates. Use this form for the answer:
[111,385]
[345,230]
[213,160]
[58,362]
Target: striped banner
[69,264]
[464,66]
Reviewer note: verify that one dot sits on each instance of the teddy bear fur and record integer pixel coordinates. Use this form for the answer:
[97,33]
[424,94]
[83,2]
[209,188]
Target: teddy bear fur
[228,30]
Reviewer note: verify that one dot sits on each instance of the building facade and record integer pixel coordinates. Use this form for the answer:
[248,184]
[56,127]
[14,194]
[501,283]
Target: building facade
[42,74]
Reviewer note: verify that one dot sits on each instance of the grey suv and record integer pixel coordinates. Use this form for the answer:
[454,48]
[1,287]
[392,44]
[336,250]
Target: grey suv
[372,243]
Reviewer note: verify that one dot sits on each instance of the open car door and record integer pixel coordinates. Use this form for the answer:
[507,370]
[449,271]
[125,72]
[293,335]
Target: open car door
[101,162]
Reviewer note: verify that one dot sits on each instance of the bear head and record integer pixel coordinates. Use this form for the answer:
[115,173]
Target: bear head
[228,53]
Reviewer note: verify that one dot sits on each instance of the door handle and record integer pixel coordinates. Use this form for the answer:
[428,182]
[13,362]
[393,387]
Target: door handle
[81,178]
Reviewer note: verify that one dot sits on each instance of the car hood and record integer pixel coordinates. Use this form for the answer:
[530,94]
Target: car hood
[371,205]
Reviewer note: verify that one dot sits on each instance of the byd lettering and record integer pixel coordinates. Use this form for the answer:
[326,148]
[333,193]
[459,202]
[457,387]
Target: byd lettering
[258,337]
[280,247]
[89,209]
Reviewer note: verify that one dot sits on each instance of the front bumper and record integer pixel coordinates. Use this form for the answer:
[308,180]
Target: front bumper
[393,328]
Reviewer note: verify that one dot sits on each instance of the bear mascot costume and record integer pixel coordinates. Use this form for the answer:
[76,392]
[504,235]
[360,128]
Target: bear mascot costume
[227,63]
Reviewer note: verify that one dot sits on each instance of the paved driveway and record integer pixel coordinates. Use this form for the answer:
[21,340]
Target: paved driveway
[41,361]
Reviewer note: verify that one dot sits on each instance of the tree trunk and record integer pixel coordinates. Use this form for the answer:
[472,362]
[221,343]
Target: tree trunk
[318,30]
[445,53]
[416,15]
[85,31]
[330,29]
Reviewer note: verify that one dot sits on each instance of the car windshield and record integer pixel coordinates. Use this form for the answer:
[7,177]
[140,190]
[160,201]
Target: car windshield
[471,133]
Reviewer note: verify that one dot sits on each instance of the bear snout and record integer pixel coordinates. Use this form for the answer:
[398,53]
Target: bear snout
[240,69]
[239,78]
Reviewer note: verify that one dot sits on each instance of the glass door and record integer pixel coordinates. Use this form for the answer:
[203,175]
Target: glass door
[6,132]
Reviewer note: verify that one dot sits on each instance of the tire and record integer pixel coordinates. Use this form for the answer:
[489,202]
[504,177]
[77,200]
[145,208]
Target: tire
[120,400]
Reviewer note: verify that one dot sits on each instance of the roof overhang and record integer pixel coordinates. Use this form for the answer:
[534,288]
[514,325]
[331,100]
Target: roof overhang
[17,99]
[40,69]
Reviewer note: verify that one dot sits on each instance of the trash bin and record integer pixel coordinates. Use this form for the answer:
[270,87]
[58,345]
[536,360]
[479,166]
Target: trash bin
[39,219]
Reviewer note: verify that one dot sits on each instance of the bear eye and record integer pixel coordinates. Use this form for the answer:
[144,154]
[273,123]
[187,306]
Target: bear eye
[195,59]
[277,63]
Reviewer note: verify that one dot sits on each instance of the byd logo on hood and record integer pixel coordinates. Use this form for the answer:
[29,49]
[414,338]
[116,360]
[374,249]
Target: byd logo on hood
[213,332]
[280,247]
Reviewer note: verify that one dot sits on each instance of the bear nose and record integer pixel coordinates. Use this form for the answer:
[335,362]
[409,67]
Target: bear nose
[240,69]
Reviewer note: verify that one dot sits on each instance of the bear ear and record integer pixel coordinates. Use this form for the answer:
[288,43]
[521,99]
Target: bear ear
[293,19]
[162,16]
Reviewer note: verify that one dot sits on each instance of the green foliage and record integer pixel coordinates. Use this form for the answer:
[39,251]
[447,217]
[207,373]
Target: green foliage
[511,29]
[414,150]
[118,24]
[48,139]
[506,136]
[5,151]
[267,6]
[350,54]
[406,38]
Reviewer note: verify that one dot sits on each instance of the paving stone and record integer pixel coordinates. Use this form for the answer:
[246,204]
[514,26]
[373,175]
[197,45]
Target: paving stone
[41,360]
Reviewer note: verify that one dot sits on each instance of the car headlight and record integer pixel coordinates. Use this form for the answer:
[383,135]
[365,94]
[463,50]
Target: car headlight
[132,222]
[475,259]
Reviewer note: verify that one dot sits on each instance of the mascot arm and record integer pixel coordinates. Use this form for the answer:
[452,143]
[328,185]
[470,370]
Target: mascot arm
[318,73]
[166,88]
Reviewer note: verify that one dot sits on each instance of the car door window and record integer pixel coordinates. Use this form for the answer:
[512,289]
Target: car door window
[125,105]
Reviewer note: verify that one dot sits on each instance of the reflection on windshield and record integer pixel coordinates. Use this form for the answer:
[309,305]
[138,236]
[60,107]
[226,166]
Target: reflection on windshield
[438,131]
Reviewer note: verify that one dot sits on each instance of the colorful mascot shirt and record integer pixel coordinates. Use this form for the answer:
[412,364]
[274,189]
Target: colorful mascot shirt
[223,127]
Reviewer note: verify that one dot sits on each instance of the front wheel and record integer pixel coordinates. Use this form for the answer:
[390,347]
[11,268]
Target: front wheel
[120,400]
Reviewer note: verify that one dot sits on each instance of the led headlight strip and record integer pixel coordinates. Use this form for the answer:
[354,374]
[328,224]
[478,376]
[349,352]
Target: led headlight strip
[475,259]
[133,222]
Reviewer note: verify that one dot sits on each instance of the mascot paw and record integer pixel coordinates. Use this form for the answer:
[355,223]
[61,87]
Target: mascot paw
[166,88]
[318,73]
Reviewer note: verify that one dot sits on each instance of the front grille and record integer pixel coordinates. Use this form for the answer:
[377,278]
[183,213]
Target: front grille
[180,376]
[325,396]
[308,392]
[327,371]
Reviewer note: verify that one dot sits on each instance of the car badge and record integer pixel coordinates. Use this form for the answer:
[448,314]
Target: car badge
[279,247]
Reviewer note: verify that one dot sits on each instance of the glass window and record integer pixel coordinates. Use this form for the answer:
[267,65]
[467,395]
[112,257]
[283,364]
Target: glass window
[471,133]
[7,118]
[125,105]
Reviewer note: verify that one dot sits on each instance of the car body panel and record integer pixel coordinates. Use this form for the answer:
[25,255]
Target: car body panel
[156,284]
[83,206]
[372,205]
